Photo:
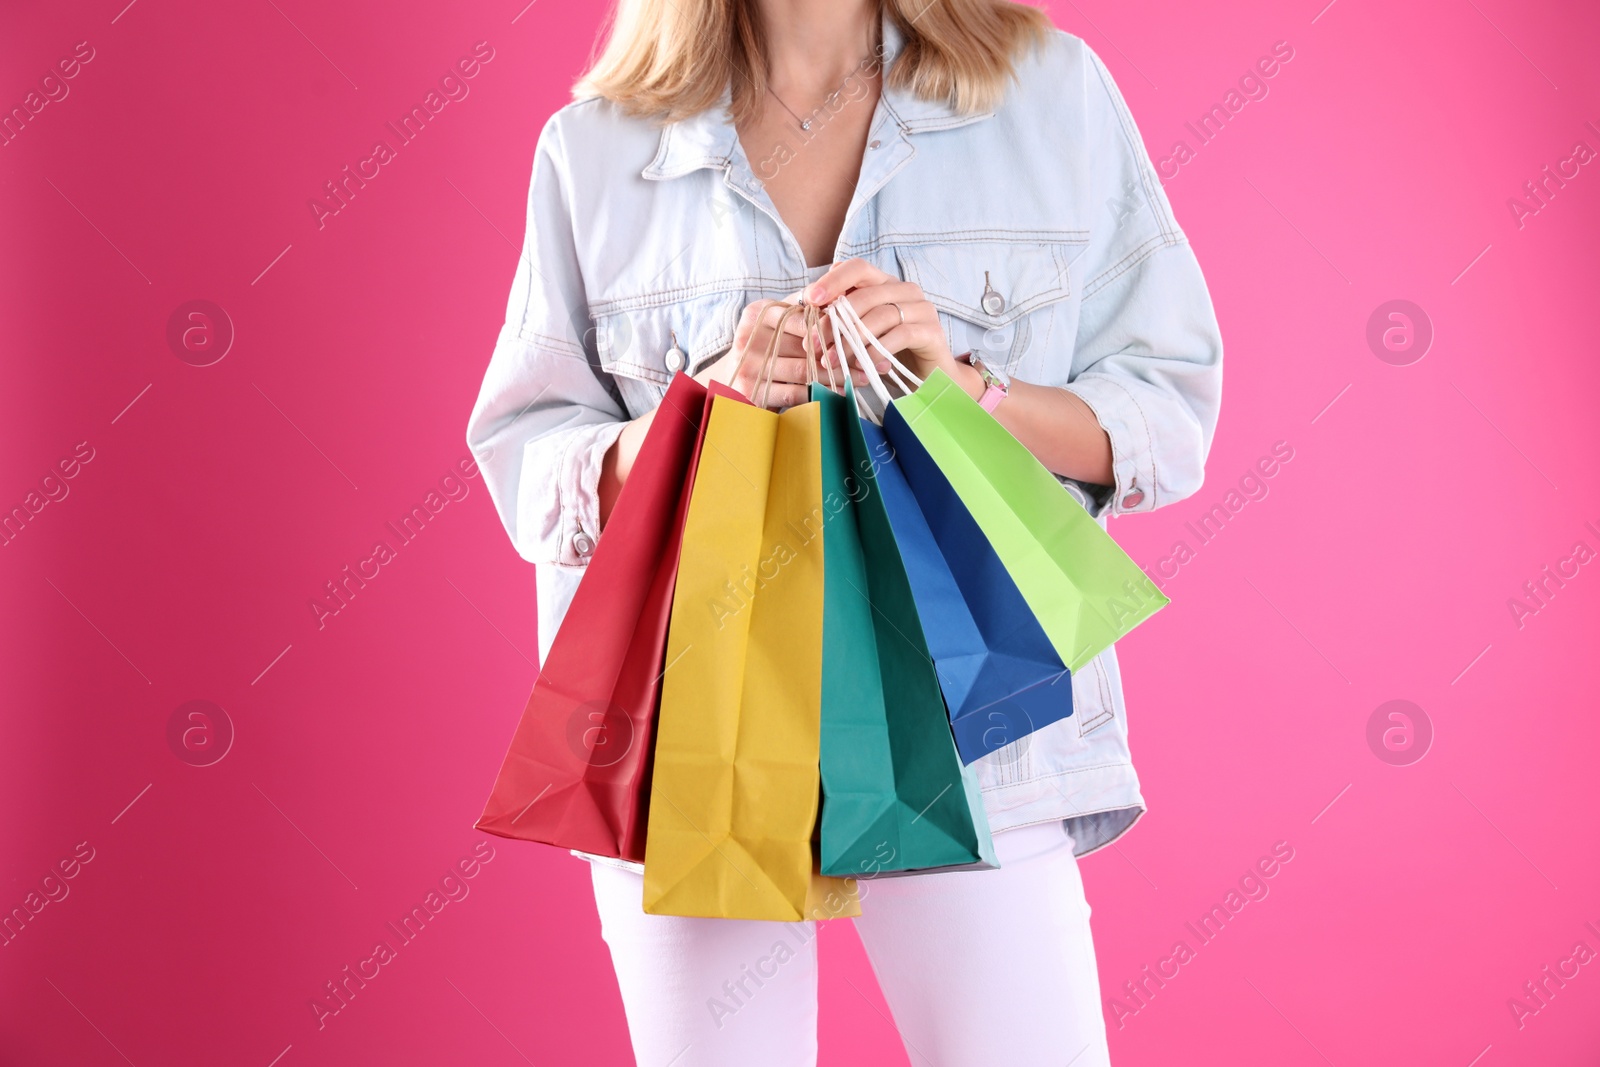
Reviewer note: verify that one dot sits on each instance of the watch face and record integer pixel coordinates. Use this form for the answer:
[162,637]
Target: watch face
[989,378]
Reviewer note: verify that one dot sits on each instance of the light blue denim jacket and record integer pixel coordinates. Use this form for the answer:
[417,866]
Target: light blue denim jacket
[644,244]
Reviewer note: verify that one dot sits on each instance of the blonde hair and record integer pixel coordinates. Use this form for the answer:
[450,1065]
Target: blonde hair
[670,59]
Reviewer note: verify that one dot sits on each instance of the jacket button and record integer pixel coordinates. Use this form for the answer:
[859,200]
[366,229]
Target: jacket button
[675,359]
[874,144]
[1133,498]
[582,543]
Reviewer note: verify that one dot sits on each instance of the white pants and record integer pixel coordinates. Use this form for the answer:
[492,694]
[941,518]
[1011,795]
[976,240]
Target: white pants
[978,967]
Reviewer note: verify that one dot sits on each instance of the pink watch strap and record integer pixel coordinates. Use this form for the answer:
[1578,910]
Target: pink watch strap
[992,395]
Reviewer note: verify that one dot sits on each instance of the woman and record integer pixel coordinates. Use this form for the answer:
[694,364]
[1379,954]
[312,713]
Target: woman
[968,178]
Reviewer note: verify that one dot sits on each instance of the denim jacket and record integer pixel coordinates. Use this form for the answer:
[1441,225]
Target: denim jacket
[645,242]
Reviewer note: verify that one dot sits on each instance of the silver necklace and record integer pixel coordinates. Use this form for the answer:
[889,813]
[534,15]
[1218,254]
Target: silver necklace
[805,124]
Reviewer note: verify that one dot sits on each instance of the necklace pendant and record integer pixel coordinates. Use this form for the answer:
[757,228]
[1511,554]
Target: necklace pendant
[806,125]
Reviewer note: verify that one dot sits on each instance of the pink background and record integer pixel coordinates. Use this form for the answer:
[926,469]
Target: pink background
[181,564]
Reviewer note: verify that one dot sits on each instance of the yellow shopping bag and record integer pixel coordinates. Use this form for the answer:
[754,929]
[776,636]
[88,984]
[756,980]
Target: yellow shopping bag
[735,789]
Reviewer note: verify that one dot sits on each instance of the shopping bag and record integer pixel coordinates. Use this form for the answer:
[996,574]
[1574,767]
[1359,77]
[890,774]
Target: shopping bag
[1084,590]
[1002,678]
[577,771]
[735,790]
[895,795]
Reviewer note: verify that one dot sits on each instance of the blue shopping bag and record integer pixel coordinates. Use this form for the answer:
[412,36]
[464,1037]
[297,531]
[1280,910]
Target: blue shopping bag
[1002,678]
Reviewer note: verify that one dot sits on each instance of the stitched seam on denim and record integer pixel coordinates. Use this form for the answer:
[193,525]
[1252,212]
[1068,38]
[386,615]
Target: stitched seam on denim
[724,288]
[888,109]
[1021,337]
[1122,266]
[998,234]
[567,513]
[661,154]
[755,240]
[560,345]
[1063,269]
[1167,223]
[1095,723]
[936,125]
[1105,685]
[557,347]
[652,373]
[1106,697]
[876,245]
[1063,774]
[978,317]
[1074,386]
[1062,290]
[1150,445]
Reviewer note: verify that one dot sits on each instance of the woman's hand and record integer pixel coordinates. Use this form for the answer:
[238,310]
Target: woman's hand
[1055,424]
[744,366]
[899,316]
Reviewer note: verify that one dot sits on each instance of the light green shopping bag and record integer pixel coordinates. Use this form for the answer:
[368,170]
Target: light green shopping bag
[1084,589]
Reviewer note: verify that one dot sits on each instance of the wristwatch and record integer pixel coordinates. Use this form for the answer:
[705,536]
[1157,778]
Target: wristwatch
[996,383]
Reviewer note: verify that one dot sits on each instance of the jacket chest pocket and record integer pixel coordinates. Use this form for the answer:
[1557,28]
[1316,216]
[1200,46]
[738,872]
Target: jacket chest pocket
[642,345]
[1001,300]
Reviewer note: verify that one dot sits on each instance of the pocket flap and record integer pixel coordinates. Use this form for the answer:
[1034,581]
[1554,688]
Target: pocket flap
[1021,278]
[637,343]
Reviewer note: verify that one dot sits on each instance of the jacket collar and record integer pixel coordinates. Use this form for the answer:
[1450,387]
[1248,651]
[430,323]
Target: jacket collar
[708,139]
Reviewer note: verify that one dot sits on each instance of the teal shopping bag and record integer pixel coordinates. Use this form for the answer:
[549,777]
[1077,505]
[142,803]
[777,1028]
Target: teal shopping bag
[895,795]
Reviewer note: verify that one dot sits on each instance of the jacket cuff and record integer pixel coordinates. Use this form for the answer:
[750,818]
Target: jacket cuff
[568,527]
[1133,464]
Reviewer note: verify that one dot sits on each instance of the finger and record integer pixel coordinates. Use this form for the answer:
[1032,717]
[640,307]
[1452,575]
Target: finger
[843,277]
[789,315]
[857,375]
[894,291]
[755,324]
[817,344]
[795,324]
[782,395]
[789,344]
[764,315]
[885,317]
[754,336]
[790,368]
[834,358]
[783,370]
[914,337]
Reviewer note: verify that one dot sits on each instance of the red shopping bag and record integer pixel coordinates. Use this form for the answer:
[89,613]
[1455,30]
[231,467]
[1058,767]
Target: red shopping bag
[577,773]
